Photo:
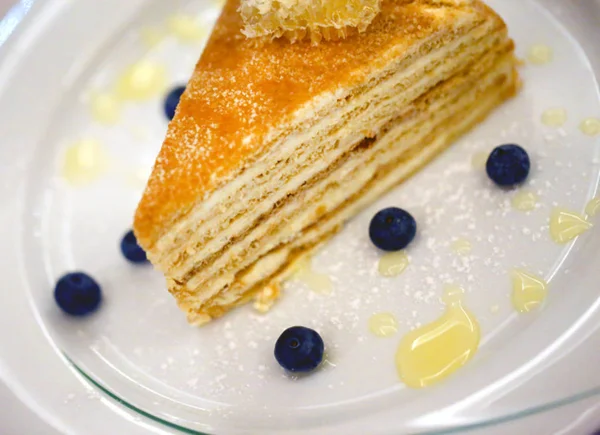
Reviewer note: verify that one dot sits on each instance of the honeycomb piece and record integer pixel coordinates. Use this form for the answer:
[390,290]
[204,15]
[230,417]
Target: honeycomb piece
[315,19]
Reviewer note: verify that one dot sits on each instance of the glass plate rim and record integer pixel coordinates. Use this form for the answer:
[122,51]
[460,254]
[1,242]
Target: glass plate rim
[495,421]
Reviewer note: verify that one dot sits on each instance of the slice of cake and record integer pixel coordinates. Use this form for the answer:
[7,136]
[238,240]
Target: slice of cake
[275,145]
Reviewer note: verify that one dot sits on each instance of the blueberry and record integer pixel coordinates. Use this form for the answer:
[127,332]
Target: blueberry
[77,294]
[299,349]
[392,229]
[172,101]
[508,165]
[131,250]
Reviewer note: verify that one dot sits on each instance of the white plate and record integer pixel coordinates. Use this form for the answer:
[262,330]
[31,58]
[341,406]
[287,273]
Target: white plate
[153,372]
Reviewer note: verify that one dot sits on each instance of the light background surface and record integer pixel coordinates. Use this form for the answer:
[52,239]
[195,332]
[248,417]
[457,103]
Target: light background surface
[4,5]
[578,419]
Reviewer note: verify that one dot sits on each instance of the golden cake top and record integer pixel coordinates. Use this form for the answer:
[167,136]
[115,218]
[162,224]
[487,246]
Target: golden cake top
[240,90]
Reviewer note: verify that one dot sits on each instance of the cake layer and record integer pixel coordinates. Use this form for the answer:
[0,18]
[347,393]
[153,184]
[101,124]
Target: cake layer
[244,101]
[277,265]
[200,253]
[409,126]
[265,275]
[268,181]
[354,189]
[274,146]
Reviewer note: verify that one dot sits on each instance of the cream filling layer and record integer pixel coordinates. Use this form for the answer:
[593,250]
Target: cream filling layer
[318,153]
[274,263]
[344,179]
[228,198]
[419,112]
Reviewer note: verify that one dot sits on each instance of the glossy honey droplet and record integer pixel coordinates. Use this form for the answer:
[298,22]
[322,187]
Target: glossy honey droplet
[151,36]
[529,291]
[565,225]
[105,108]
[524,200]
[393,263]
[383,324]
[540,54]
[142,81]
[479,159]
[590,126]
[186,28]
[554,117]
[593,207]
[317,282]
[434,351]
[84,162]
[462,246]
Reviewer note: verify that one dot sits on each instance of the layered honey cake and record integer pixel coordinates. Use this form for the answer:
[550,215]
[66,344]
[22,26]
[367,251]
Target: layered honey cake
[276,144]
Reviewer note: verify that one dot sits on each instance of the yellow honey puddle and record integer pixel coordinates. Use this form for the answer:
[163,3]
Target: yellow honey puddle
[393,263]
[565,225]
[524,200]
[540,54]
[152,36]
[383,324]
[529,291]
[590,126]
[141,81]
[186,28]
[479,160]
[554,117]
[462,247]
[433,352]
[317,282]
[84,161]
[105,108]
[593,207]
